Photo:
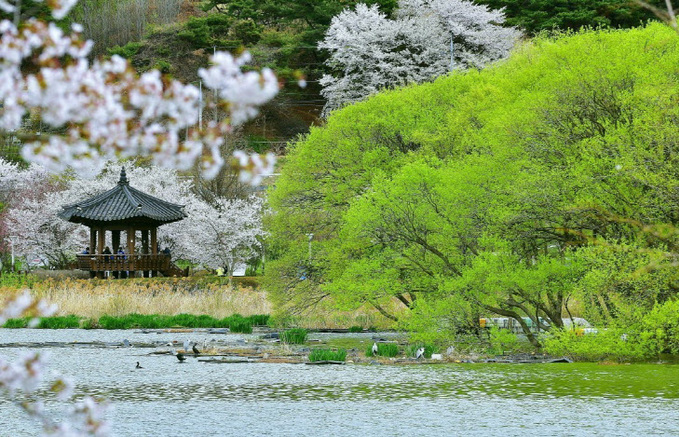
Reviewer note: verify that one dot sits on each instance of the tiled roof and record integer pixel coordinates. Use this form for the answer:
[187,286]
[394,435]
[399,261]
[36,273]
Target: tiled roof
[122,203]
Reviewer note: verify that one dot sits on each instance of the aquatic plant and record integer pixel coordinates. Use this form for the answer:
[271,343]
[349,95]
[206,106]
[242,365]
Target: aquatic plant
[327,355]
[383,350]
[17,323]
[429,349]
[294,336]
[238,323]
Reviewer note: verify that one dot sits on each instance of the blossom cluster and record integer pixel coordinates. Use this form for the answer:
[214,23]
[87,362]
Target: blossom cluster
[99,110]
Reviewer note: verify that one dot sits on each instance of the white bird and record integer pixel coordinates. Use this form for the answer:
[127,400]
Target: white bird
[419,353]
[126,343]
[374,348]
[187,344]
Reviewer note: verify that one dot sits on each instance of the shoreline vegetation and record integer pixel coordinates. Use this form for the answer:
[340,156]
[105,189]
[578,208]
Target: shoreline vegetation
[151,303]
[208,302]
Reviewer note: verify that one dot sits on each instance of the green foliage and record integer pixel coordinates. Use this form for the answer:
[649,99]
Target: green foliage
[535,16]
[221,31]
[17,323]
[356,329]
[127,51]
[16,280]
[238,323]
[652,333]
[294,336]
[383,350]
[501,340]
[64,322]
[163,66]
[260,319]
[235,323]
[606,345]
[485,188]
[327,355]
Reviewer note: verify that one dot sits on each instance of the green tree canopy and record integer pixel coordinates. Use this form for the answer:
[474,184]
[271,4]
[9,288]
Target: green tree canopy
[417,194]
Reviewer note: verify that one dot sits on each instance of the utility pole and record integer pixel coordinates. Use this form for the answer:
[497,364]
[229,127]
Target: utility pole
[200,103]
[12,242]
[311,237]
[214,52]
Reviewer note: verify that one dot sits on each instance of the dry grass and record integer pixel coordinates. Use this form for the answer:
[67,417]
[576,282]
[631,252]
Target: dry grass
[117,298]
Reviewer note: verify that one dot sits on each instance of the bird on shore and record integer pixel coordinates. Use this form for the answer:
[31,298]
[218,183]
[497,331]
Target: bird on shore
[126,343]
[186,345]
[375,349]
[419,353]
[138,366]
[180,356]
[195,349]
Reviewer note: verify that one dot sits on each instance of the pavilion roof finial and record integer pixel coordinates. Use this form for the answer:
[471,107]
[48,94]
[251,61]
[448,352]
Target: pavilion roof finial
[123,178]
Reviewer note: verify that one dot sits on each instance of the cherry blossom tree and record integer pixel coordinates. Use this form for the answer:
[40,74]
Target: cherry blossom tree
[369,51]
[227,232]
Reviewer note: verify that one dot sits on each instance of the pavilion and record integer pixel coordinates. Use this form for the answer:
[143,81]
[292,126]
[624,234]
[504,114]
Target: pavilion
[124,209]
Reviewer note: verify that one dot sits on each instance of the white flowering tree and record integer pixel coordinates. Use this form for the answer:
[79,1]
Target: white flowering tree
[369,51]
[222,234]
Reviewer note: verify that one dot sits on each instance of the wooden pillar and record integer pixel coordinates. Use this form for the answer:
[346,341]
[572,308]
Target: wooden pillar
[154,248]
[115,245]
[101,240]
[130,250]
[93,240]
[154,241]
[115,240]
[145,248]
[145,242]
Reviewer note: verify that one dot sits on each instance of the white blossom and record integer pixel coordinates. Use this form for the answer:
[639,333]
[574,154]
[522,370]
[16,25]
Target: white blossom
[370,52]
[110,110]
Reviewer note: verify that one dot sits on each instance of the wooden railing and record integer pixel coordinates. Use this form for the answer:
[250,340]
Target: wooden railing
[103,263]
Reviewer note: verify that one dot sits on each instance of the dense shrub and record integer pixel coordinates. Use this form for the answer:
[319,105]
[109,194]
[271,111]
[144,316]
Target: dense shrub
[327,355]
[294,336]
[383,350]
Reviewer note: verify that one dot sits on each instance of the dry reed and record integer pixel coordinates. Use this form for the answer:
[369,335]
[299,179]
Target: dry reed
[117,298]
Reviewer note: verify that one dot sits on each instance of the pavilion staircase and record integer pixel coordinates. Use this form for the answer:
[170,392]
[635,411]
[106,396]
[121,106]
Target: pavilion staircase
[173,270]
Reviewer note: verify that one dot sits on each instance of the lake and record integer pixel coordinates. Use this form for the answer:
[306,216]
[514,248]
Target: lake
[270,399]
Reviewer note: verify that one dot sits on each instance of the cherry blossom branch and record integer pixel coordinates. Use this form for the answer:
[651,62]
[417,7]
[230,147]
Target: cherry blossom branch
[20,380]
[106,110]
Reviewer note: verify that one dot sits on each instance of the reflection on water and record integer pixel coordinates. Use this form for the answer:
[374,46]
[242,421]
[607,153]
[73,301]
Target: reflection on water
[287,399]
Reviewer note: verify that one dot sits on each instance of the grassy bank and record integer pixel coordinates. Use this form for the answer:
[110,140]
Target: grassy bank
[235,322]
[208,299]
